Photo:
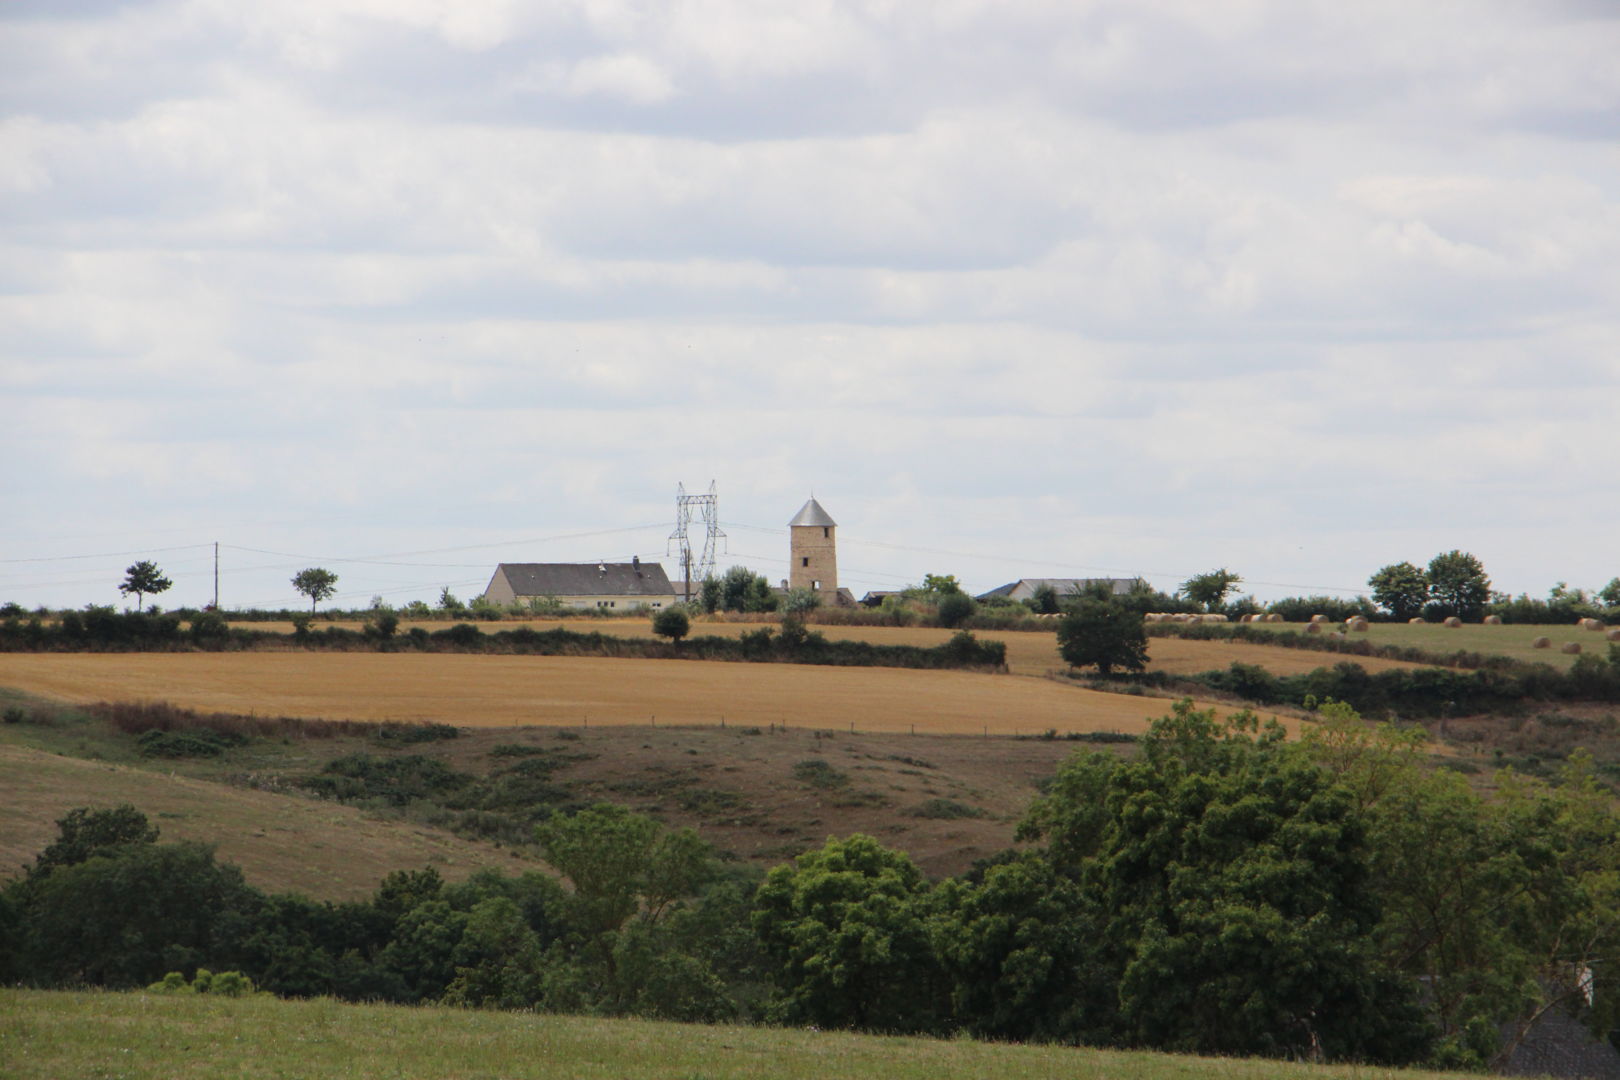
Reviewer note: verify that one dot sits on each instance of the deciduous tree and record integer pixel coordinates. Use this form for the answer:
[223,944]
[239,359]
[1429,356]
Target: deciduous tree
[1103,633]
[144,578]
[1457,582]
[1208,590]
[1400,588]
[316,583]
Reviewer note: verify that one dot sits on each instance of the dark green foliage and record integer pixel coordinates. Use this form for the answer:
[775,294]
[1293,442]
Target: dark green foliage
[184,744]
[125,917]
[1458,584]
[955,609]
[740,589]
[1423,692]
[819,773]
[84,833]
[464,635]
[1017,943]
[945,810]
[1337,609]
[671,623]
[1401,588]
[396,780]
[845,931]
[1104,634]
[411,734]
[209,630]
[1209,589]
[1044,601]
[1227,882]
[317,583]
[143,579]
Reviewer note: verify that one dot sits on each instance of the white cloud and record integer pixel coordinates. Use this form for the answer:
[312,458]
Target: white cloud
[1299,287]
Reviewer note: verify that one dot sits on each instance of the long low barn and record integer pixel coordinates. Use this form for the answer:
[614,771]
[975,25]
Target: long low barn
[582,585]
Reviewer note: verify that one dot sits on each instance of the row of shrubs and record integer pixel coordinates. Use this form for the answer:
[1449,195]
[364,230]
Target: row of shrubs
[109,631]
[1331,643]
[1415,693]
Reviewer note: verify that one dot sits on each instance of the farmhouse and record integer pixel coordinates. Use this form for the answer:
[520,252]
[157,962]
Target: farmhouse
[1025,588]
[634,584]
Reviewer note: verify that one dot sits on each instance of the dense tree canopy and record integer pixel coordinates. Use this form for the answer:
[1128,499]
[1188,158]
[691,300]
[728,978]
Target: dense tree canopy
[1400,588]
[1457,582]
[317,583]
[1099,632]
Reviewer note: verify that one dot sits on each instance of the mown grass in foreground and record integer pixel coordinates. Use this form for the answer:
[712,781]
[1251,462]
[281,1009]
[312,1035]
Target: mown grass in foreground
[138,1036]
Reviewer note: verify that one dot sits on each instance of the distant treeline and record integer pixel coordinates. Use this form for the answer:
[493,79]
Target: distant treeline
[1223,891]
[106,630]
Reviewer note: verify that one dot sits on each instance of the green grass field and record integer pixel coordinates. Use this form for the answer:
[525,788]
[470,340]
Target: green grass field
[1512,641]
[48,1035]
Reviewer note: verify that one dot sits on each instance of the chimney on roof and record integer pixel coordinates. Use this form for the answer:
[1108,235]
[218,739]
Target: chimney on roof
[635,561]
[601,568]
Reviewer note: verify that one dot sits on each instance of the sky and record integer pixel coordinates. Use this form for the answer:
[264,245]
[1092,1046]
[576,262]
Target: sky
[408,288]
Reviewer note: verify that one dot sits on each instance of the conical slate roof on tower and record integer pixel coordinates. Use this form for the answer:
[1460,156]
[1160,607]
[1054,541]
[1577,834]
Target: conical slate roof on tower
[811,513]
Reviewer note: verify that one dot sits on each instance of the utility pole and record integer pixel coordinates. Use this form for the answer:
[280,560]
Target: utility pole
[216,575]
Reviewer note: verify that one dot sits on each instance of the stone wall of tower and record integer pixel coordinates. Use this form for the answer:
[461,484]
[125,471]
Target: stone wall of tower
[814,558]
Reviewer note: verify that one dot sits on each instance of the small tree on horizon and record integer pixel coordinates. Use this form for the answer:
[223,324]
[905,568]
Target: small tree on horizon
[1208,590]
[1401,588]
[316,583]
[144,577]
[1458,583]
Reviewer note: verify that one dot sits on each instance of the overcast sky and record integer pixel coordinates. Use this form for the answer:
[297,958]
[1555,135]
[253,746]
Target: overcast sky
[406,288]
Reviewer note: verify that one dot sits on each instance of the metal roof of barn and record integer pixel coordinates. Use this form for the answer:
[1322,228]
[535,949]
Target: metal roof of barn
[1063,586]
[586,579]
[811,513]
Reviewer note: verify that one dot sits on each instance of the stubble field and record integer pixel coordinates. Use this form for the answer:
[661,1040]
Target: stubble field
[511,691]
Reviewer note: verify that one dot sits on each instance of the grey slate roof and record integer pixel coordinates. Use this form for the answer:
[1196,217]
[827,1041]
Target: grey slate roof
[811,513]
[586,579]
[1063,586]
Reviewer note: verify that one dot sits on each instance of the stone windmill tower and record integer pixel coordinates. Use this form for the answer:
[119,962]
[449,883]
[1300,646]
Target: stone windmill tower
[812,543]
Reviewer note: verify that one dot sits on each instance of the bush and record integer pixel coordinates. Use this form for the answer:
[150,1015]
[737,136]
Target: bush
[955,609]
[671,623]
[819,774]
[945,810]
[182,744]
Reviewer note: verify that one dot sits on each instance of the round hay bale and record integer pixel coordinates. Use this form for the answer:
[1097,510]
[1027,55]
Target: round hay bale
[1541,643]
[1313,628]
[1493,620]
[1592,624]
[1419,621]
[1613,635]
[1319,619]
[1274,617]
[1453,622]
[1213,618]
[1570,648]
[1358,626]
[1152,616]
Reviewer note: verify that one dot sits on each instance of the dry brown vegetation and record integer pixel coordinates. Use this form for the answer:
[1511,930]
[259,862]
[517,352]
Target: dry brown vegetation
[281,842]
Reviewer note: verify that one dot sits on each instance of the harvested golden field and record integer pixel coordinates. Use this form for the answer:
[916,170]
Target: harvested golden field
[506,691]
[321,849]
[1029,652]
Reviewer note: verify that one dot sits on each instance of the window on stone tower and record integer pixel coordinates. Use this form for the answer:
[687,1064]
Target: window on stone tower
[826,532]
[805,561]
